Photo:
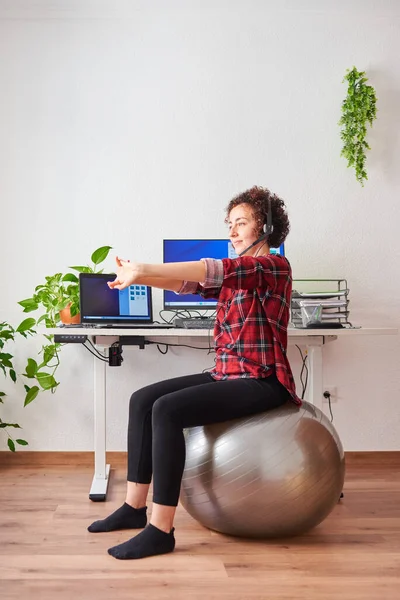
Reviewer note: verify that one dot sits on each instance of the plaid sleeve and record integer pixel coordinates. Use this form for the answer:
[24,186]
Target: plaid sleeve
[210,287]
[188,287]
[248,272]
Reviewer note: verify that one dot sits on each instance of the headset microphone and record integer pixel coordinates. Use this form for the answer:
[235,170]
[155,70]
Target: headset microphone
[267,230]
[262,237]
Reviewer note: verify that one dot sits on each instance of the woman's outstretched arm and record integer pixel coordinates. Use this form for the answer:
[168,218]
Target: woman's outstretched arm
[165,275]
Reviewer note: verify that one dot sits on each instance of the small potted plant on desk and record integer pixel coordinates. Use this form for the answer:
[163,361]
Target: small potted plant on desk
[59,297]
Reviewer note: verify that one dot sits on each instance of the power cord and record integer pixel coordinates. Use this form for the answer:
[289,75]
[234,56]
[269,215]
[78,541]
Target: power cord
[102,358]
[116,350]
[182,313]
[190,314]
[95,349]
[207,369]
[327,395]
[303,368]
[177,346]
[162,351]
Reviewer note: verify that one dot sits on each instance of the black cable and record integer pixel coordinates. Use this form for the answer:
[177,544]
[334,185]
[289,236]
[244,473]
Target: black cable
[104,359]
[304,368]
[179,345]
[159,349]
[183,313]
[166,320]
[305,365]
[94,354]
[188,314]
[330,407]
[207,369]
[95,349]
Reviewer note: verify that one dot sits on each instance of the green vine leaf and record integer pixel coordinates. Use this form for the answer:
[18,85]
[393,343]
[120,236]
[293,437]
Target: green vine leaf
[70,277]
[82,269]
[31,368]
[6,360]
[46,380]
[48,353]
[100,254]
[26,325]
[29,305]
[31,395]
[358,109]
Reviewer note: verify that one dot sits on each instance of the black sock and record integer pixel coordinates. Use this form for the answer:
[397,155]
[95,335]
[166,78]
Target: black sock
[126,517]
[149,542]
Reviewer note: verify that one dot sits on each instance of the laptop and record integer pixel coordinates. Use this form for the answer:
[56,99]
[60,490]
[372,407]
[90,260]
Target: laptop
[100,306]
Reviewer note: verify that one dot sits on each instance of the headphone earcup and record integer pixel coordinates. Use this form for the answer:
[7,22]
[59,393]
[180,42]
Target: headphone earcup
[268,229]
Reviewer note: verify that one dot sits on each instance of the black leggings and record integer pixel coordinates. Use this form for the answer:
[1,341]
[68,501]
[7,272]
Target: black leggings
[159,412]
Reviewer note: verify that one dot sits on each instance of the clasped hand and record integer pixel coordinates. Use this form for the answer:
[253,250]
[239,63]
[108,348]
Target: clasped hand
[127,274]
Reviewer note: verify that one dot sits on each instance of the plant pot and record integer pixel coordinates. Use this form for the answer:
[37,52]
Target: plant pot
[65,316]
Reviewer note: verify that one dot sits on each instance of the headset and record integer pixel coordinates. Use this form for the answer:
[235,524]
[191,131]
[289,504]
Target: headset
[268,228]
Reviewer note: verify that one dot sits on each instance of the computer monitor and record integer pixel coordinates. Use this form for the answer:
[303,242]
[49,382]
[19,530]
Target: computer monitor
[187,250]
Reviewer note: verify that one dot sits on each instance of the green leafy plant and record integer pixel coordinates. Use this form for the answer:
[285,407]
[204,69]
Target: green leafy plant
[58,292]
[7,333]
[358,109]
[54,295]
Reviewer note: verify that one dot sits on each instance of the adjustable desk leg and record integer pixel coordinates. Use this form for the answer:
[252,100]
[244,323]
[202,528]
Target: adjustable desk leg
[315,391]
[98,491]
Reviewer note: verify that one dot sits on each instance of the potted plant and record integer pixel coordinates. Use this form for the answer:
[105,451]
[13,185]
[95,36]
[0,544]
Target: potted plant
[358,109]
[57,295]
[7,333]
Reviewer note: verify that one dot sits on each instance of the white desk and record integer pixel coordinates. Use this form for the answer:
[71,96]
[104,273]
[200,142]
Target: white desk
[312,339]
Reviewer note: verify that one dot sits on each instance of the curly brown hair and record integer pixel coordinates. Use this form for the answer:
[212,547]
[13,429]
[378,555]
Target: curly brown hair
[257,198]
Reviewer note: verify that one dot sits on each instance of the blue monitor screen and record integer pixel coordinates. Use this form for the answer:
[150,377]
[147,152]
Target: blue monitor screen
[187,250]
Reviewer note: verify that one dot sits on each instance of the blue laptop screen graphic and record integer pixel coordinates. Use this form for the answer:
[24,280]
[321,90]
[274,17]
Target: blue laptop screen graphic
[100,304]
[187,250]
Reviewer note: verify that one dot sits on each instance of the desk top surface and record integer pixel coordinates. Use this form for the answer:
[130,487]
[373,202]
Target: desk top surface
[178,332]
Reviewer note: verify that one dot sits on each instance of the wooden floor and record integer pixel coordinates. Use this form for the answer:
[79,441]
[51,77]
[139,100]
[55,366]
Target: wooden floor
[47,553]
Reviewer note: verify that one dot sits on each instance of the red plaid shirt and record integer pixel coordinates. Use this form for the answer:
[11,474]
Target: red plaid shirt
[253,308]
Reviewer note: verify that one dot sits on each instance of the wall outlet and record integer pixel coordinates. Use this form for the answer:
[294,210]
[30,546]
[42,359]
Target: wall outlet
[333,392]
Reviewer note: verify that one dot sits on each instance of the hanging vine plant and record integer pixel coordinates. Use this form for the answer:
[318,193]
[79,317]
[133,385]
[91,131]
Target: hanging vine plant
[358,109]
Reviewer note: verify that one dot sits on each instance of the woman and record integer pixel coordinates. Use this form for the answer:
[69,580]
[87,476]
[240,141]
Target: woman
[251,373]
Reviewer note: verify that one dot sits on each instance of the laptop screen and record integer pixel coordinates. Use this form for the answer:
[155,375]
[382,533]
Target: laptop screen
[100,304]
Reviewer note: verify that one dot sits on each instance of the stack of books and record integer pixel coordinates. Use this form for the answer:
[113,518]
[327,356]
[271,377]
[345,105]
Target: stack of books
[320,302]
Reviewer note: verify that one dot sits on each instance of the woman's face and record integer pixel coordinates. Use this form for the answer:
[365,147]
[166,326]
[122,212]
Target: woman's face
[243,229]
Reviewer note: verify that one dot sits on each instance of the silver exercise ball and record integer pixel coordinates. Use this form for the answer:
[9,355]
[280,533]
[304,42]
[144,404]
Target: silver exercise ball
[278,473]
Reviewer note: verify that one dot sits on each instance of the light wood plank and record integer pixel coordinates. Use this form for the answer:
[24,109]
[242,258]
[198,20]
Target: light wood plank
[47,552]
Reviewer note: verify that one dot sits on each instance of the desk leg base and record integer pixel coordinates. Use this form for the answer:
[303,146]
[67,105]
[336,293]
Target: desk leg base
[98,491]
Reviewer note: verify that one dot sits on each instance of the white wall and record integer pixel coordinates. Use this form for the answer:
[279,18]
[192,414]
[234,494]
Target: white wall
[123,123]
